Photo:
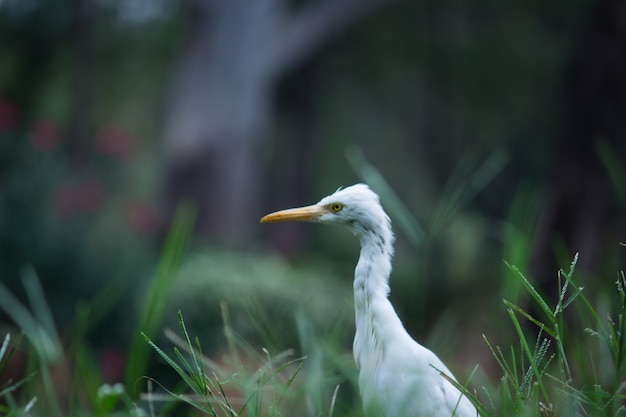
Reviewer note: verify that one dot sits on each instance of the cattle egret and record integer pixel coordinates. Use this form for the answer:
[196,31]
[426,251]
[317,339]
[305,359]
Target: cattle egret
[398,377]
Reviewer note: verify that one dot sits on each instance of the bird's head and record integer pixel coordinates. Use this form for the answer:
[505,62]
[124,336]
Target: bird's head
[356,206]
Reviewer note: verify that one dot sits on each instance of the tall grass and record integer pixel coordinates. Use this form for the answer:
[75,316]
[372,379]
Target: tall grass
[560,365]
[539,376]
[253,383]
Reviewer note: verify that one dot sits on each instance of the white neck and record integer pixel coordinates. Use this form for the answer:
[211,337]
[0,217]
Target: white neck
[377,324]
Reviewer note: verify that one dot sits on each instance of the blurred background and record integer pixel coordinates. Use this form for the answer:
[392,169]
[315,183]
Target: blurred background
[493,131]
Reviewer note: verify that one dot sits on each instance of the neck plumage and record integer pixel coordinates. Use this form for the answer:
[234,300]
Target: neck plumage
[377,323]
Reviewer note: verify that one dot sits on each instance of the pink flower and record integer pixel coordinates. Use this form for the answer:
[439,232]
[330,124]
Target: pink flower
[84,197]
[44,135]
[8,115]
[112,363]
[115,141]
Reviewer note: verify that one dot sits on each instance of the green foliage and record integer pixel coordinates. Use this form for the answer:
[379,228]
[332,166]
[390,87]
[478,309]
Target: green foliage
[263,291]
[39,329]
[44,354]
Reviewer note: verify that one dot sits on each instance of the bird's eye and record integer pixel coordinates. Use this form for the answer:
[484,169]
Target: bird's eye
[336,207]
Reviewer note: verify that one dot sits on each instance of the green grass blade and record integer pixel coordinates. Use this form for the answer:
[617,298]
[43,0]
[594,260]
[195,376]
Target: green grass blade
[197,371]
[464,184]
[205,361]
[292,378]
[368,173]
[172,363]
[47,345]
[7,350]
[510,374]
[156,299]
[601,329]
[565,368]
[40,308]
[5,346]
[224,403]
[210,410]
[333,401]
[531,289]
[200,368]
[614,168]
[529,354]
[530,318]
[12,387]
[560,305]
[621,338]
[570,300]
[187,368]
[463,391]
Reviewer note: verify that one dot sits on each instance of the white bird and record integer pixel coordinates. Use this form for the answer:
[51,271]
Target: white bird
[398,377]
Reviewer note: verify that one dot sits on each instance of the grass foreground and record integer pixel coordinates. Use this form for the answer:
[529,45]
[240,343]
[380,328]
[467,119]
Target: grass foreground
[568,360]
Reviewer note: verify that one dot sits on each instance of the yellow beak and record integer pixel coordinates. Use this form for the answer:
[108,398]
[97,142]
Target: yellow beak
[304,214]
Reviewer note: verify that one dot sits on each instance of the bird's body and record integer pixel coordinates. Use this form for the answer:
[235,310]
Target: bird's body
[398,377]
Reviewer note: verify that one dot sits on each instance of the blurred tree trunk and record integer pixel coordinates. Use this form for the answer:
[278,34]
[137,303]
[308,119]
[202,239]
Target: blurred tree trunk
[221,102]
[594,104]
